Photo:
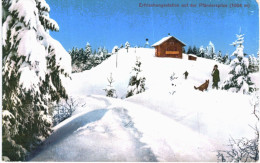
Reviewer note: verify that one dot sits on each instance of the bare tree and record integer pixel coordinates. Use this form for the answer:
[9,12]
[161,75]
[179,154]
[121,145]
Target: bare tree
[110,90]
[173,79]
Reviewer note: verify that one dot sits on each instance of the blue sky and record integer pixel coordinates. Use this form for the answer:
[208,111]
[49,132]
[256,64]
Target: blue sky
[109,23]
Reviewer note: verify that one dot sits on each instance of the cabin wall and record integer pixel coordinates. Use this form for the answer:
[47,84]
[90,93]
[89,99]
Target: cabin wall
[192,58]
[170,48]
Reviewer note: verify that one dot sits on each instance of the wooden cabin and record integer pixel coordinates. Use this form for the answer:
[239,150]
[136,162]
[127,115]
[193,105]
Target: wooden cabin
[192,57]
[169,47]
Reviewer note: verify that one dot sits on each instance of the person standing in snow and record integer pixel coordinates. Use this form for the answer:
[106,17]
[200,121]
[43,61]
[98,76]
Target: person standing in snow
[186,74]
[215,75]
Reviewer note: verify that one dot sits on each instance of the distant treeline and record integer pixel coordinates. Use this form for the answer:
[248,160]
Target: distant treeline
[210,53]
[84,58]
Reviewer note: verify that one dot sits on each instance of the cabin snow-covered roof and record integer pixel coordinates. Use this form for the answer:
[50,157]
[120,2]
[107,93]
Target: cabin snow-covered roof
[192,55]
[165,39]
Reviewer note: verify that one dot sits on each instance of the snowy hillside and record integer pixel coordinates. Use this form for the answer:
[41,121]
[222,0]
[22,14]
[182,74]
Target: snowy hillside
[156,70]
[152,126]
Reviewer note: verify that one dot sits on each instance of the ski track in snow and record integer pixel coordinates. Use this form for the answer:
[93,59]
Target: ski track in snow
[83,139]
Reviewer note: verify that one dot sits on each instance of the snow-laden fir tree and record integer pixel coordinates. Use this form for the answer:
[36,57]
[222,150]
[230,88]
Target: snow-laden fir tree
[195,50]
[210,51]
[137,81]
[173,79]
[99,57]
[219,57]
[101,54]
[34,65]
[225,59]
[115,49]
[88,50]
[190,51]
[77,58]
[215,57]
[72,53]
[77,54]
[88,53]
[110,90]
[105,53]
[127,45]
[81,57]
[238,79]
[256,64]
[228,61]
[201,51]
[253,64]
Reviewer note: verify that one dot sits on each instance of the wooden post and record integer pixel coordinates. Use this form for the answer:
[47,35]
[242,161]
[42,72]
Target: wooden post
[116,56]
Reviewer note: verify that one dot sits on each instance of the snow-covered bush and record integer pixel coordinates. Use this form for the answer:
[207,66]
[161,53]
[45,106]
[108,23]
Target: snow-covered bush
[127,45]
[238,79]
[173,83]
[5,159]
[241,150]
[34,65]
[244,149]
[137,80]
[110,90]
[63,110]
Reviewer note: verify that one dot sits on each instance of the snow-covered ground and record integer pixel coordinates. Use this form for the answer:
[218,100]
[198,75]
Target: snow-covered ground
[152,126]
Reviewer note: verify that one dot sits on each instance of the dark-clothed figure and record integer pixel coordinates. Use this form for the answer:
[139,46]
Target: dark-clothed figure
[215,75]
[186,74]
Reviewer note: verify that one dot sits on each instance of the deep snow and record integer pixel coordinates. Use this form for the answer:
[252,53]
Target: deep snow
[153,126]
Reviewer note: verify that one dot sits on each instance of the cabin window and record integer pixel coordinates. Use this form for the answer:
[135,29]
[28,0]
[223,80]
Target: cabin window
[171,48]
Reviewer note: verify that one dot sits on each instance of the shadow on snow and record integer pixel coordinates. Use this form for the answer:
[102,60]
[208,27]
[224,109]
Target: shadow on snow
[67,129]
